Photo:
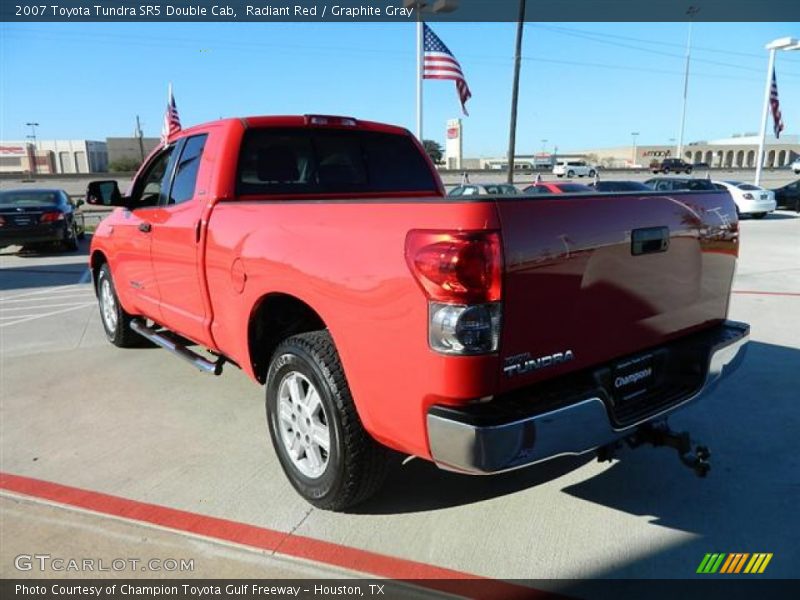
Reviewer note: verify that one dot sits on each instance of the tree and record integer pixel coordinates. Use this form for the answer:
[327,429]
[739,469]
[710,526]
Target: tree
[124,165]
[434,150]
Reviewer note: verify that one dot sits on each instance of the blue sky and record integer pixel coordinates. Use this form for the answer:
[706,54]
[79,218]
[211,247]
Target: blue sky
[583,85]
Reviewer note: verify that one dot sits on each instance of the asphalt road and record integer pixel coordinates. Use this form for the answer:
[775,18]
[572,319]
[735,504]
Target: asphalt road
[139,425]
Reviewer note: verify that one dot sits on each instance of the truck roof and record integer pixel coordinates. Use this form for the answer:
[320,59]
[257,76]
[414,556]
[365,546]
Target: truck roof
[336,121]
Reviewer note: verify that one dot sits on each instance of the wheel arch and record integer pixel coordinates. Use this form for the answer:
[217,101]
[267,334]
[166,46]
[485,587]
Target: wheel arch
[96,262]
[274,317]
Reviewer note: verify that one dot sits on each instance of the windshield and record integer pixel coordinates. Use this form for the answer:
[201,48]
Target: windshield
[32,198]
[332,161]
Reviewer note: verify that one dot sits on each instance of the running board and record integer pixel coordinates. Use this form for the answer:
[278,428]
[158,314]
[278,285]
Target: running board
[179,350]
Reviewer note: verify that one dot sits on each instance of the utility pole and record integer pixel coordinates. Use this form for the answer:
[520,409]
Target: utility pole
[512,130]
[139,137]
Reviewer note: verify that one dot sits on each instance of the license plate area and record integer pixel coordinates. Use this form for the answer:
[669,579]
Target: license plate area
[633,377]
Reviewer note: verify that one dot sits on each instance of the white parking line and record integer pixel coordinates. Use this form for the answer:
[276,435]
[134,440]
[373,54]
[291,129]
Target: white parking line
[48,290]
[82,294]
[4,309]
[42,316]
[86,277]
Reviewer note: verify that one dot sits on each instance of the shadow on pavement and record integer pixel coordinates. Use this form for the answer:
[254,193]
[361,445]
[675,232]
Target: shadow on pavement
[748,503]
[30,273]
[420,486]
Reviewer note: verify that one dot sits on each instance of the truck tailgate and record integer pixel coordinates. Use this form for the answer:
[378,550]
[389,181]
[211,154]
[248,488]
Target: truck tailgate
[591,278]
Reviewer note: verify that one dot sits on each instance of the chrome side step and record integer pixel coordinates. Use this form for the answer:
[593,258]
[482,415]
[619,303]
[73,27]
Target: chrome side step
[178,349]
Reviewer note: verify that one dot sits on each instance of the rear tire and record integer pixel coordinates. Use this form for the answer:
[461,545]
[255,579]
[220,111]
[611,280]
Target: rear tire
[70,242]
[116,322]
[323,448]
[592,173]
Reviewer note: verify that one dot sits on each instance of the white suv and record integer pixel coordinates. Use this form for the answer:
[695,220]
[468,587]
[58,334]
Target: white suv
[795,166]
[571,168]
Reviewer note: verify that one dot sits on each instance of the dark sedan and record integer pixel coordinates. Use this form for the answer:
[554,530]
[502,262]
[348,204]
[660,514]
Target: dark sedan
[671,184]
[30,217]
[620,186]
[788,196]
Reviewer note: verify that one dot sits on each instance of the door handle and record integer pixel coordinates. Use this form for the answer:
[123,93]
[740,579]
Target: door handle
[145,227]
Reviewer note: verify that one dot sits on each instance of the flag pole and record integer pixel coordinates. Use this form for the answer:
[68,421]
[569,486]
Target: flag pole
[764,118]
[419,73]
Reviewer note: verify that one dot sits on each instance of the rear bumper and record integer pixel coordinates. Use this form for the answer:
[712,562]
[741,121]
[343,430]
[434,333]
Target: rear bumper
[40,234]
[477,440]
[756,206]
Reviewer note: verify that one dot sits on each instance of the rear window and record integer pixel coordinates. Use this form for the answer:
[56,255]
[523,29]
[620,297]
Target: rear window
[333,161]
[570,188]
[24,198]
[621,186]
[748,187]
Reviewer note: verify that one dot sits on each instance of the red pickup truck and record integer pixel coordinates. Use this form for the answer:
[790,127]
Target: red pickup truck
[321,256]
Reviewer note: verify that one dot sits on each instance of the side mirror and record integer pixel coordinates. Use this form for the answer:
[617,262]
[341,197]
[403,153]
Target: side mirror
[104,193]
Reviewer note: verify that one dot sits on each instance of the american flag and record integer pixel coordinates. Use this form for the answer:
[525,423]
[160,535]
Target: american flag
[439,63]
[777,118]
[172,122]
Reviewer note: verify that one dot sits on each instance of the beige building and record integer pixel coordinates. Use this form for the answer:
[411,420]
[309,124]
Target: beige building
[53,156]
[733,152]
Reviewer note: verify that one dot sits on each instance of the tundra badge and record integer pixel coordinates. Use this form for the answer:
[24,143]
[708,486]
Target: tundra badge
[519,364]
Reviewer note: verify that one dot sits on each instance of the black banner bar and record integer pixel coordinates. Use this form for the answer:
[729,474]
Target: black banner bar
[399,10]
[703,588]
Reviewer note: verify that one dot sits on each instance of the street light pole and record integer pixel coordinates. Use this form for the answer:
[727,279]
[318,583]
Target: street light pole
[512,128]
[633,156]
[32,136]
[786,43]
[692,11]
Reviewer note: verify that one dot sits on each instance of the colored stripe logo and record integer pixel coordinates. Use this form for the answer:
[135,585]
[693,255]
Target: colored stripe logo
[734,563]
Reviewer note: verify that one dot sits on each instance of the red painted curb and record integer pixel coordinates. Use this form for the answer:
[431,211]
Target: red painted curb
[354,559]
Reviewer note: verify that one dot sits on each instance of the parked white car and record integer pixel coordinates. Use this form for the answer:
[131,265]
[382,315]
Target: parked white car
[750,199]
[795,166]
[571,168]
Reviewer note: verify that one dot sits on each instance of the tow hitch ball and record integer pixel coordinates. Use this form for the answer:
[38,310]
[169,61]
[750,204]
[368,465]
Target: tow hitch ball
[659,434]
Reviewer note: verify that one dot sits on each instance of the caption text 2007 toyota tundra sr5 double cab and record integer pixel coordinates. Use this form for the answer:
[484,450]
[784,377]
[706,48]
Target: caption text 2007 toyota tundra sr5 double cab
[321,256]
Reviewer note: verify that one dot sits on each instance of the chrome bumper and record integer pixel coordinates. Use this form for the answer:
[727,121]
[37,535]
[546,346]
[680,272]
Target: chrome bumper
[460,443]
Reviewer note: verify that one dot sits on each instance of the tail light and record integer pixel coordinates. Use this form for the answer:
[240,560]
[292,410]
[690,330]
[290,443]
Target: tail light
[51,217]
[2,221]
[748,196]
[460,272]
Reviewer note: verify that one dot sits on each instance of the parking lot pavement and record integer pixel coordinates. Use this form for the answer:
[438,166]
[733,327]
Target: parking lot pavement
[139,425]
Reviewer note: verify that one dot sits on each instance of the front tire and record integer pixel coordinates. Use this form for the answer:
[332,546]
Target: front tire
[323,448]
[116,322]
[570,174]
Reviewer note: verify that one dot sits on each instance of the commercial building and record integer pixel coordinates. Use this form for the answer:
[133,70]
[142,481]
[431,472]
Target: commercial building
[53,156]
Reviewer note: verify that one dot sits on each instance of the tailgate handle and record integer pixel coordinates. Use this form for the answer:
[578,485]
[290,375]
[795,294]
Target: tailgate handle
[649,240]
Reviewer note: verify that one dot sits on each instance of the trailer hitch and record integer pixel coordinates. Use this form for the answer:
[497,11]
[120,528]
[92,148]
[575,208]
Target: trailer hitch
[659,434]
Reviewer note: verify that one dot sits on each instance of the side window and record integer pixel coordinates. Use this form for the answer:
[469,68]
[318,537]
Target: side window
[186,172]
[470,191]
[457,191]
[663,186]
[148,189]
